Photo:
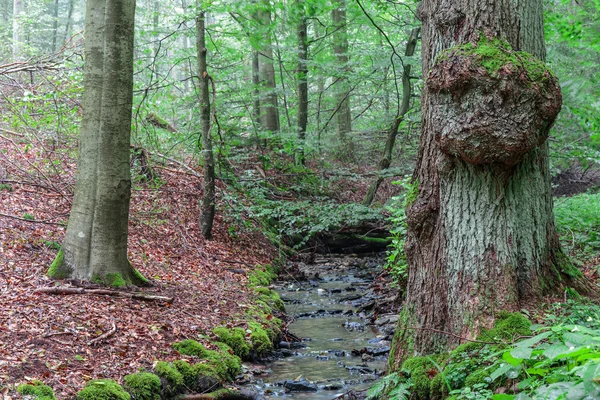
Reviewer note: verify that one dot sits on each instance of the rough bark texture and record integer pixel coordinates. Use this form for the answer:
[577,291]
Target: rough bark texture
[208,197]
[342,90]
[302,80]
[95,245]
[269,110]
[481,234]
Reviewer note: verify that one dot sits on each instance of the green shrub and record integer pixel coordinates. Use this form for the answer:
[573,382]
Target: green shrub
[103,389]
[37,389]
[143,386]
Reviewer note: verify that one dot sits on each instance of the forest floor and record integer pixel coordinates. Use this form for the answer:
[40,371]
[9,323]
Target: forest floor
[47,337]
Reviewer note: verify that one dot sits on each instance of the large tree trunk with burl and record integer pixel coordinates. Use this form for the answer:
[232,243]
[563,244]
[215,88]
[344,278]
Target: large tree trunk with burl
[481,235]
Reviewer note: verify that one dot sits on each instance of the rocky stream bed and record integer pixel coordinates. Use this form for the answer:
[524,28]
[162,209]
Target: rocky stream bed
[345,314]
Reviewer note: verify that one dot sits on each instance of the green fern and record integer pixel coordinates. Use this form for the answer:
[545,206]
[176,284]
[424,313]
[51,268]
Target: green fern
[392,387]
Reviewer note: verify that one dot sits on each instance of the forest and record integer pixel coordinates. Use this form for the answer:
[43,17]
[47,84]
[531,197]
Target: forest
[304,199]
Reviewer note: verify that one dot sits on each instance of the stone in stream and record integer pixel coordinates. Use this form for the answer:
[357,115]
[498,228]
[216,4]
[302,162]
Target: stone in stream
[291,345]
[333,386]
[351,297]
[381,351]
[337,339]
[322,358]
[302,385]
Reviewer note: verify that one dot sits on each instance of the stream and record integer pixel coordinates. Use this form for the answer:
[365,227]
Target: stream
[342,347]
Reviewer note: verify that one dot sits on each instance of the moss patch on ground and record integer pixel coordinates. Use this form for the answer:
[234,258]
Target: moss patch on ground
[143,386]
[37,390]
[103,389]
[234,338]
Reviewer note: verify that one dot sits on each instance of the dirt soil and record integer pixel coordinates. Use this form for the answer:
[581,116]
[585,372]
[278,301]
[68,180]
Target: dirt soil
[48,337]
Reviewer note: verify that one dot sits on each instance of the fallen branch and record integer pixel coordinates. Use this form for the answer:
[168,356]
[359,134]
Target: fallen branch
[104,335]
[103,292]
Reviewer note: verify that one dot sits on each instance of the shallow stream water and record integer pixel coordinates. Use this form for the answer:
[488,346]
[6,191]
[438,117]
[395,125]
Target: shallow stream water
[327,316]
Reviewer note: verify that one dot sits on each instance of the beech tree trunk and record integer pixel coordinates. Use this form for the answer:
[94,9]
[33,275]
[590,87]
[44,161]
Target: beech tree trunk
[342,90]
[481,235]
[208,197]
[95,244]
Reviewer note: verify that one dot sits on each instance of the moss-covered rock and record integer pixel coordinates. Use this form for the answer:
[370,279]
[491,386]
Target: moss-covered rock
[506,327]
[37,390]
[418,367]
[171,379]
[189,347]
[208,378]
[225,362]
[143,386]
[234,338]
[262,276]
[478,376]
[260,338]
[271,298]
[103,389]
[189,373]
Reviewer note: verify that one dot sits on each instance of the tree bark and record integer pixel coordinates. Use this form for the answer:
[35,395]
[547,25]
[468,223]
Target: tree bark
[18,37]
[302,30]
[95,244]
[481,235]
[208,197]
[342,89]
[269,110]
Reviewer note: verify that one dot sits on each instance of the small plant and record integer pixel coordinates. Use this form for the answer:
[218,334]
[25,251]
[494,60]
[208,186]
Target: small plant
[578,223]
[28,217]
[393,386]
[6,186]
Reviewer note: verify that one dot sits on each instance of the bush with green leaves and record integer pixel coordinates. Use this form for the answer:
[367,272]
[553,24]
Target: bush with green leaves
[578,223]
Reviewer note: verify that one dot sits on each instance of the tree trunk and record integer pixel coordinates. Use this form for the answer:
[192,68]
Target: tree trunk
[70,8]
[208,197]
[481,235]
[95,245]
[17,30]
[269,111]
[302,80]
[342,89]
[386,160]
[55,9]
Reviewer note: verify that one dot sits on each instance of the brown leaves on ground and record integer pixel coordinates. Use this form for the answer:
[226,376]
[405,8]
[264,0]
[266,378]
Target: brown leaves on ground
[46,336]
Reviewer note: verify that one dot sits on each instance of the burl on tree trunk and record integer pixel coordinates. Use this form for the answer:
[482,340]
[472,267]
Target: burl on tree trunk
[481,235]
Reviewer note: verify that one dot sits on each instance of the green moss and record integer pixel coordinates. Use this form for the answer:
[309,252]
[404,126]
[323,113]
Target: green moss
[418,368]
[112,279]
[189,347]
[507,326]
[143,386]
[139,279]
[495,54]
[270,298]
[234,338]
[37,390]
[57,270]
[260,338]
[171,378]
[478,376]
[468,347]
[438,388]
[225,357]
[206,370]
[189,373]
[103,389]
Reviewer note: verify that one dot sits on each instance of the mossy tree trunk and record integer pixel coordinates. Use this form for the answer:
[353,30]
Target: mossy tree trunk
[208,197]
[481,235]
[95,244]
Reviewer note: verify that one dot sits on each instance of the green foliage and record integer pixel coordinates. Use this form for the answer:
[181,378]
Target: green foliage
[37,390]
[143,386]
[578,223]
[103,389]
[224,361]
[6,186]
[234,338]
[28,217]
[391,387]
[189,347]
[396,262]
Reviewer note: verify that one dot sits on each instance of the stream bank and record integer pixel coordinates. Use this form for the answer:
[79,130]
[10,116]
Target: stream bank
[345,314]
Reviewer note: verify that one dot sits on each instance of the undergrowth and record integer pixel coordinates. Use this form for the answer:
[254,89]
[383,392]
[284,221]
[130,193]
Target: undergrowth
[578,223]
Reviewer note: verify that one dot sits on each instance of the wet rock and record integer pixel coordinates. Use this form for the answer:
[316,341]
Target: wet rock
[381,351]
[375,340]
[354,326]
[291,345]
[362,369]
[302,385]
[333,386]
[351,297]
[335,291]
[322,358]
[338,353]
[287,353]
[338,339]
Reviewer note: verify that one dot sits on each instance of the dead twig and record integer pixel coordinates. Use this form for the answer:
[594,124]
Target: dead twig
[104,335]
[61,290]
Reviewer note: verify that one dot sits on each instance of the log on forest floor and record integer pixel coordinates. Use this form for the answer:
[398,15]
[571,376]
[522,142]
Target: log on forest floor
[61,290]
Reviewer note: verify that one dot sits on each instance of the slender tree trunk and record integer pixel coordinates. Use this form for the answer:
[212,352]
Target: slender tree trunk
[95,245]
[208,197]
[256,91]
[481,234]
[70,8]
[18,36]
[386,160]
[269,114]
[341,87]
[55,9]
[302,80]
